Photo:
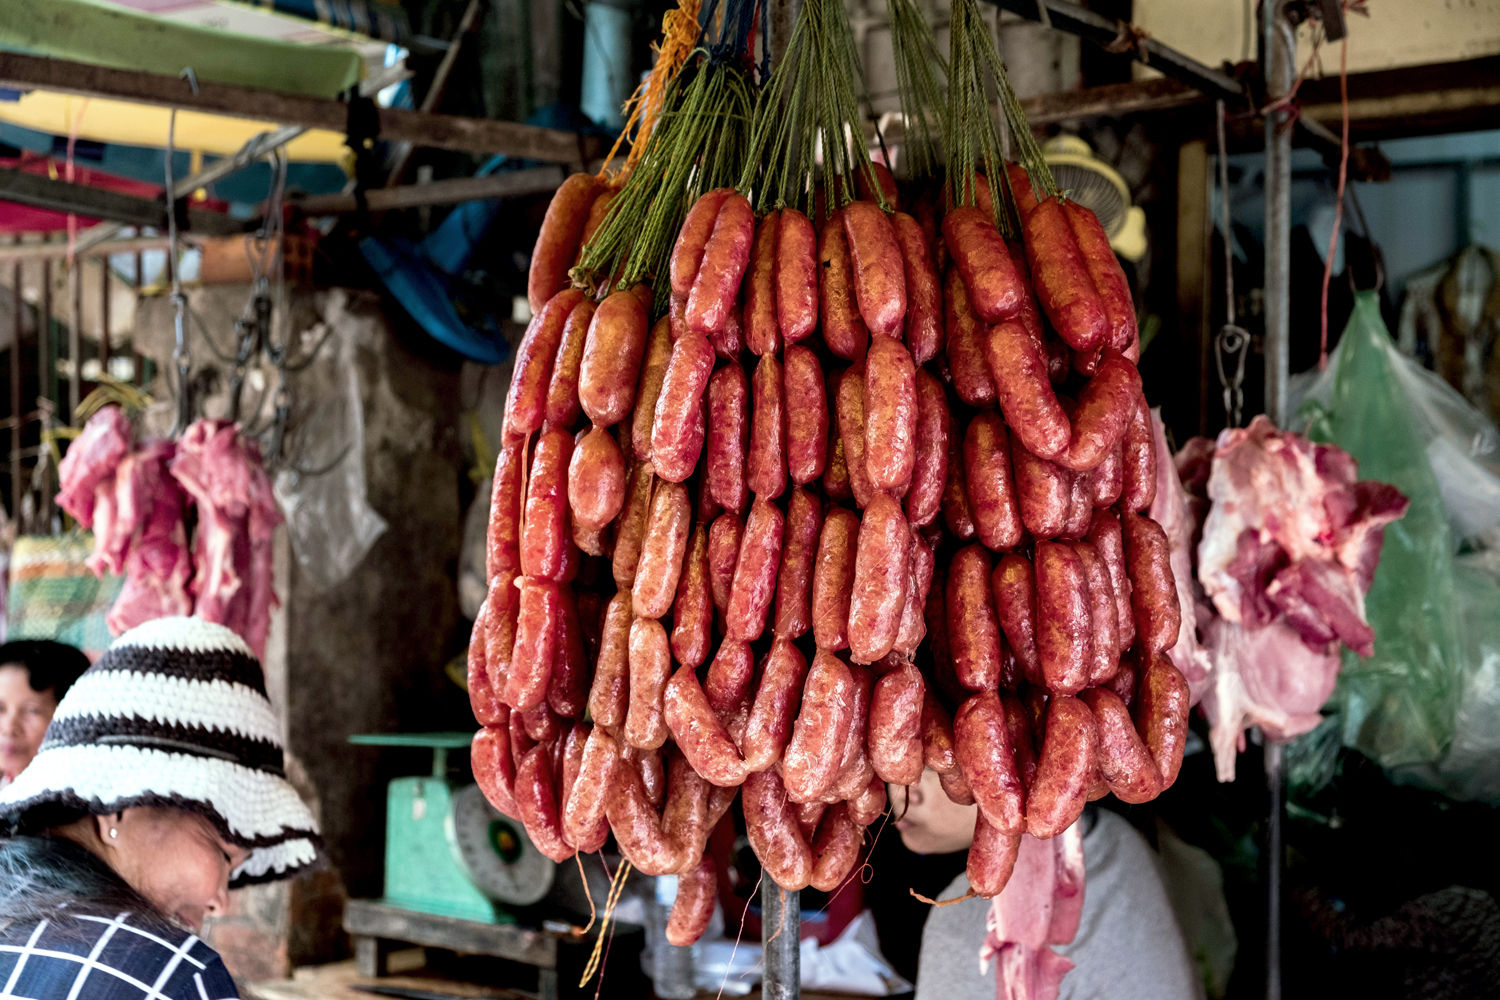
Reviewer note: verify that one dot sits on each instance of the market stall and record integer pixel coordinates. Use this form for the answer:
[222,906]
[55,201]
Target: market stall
[841,501]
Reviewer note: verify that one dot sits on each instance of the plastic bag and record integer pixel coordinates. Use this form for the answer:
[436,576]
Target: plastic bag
[1398,706]
[321,486]
[1462,444]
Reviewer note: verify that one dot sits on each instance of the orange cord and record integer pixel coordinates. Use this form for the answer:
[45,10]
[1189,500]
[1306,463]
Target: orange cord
[679,36]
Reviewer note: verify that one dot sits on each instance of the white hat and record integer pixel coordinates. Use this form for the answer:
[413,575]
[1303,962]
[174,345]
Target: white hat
[174,714]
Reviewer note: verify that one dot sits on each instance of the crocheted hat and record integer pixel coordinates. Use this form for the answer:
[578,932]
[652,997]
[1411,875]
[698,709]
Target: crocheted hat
[173,714]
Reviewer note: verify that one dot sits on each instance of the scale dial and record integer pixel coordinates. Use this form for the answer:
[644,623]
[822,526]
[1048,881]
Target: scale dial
[495,852]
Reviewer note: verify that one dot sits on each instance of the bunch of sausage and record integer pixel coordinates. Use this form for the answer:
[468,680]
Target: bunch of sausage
[827,522]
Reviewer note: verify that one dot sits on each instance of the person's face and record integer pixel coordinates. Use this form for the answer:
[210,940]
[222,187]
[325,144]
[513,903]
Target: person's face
[929,822]
[24,715]
[174,858]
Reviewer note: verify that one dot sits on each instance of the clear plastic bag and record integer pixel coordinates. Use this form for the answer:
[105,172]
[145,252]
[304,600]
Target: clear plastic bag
[321,486]
[1398,706]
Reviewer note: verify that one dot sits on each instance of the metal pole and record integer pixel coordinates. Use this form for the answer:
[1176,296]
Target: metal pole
[780,938]
[17,305]
[1278,49]
[1278,57]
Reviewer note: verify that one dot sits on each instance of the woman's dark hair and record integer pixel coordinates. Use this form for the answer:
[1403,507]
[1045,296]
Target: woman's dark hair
[48,664]
[44,878]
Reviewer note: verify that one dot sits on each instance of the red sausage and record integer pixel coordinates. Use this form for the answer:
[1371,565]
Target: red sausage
[531,374]
[776,702]
[729,676]
[835,848]
[596,480]
[612,355]
[879,271]
[850,404]
[966,336]
[1063,625]
[924,290]
[630,532]
[992,487]
[811,759]
[1104,614]
[980,255]
[536,803]
[609,697]
[992,857]
[723,555]
[918,585]
[1108,278]
[725,257]
[805,397]
[1065,769]
[692,240]
[503,539]
[583,802]
[766,466]
[1124,762]
[728,436]
[1014,586]
[1017,362]
[894,736]
[1153,589]
[762,334]
[662,550]
[693,606]
[1061,278]
[956,513]
[562,408]
[1161,713]
[890,416]
[804,524]
[697,889]
[1043,490]
[771,823]
[677,428]
[833,578]
[983,748]
[1108,402]
[1105,535]
[653,371]
[796,277]
[698,732]
[973,631]
[880,571]
[557,241]
[755,571]
[924,497]
[537,625]
[650,670]
[1138,458]
[844,329]
[494,768]
[567,688]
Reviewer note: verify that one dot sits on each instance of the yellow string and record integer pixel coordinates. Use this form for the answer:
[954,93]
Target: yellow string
[679,30]
[616,886]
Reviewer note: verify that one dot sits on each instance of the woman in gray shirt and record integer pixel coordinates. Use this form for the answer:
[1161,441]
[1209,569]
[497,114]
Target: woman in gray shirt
[1128,943]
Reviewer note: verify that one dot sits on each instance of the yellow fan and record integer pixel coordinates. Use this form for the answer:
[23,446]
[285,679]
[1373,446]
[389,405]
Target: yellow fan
[1094,184]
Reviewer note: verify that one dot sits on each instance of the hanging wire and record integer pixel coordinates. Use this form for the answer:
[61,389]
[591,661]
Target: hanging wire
[1232,343]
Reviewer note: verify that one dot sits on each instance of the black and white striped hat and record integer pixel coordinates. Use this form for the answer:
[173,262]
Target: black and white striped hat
[174,714]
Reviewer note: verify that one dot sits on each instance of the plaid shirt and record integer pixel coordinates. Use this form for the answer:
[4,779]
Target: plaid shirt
[81,957]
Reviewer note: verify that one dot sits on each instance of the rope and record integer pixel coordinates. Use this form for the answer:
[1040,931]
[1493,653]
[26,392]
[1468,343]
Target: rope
[679,37]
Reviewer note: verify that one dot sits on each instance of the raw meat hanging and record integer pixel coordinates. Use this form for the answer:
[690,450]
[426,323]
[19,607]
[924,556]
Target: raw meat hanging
[139,502]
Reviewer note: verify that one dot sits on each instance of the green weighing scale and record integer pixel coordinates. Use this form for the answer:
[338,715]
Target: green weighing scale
[449,852]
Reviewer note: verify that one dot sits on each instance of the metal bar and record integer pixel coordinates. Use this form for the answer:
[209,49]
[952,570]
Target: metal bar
[477,135]
[44,333]
[75,337]
[780,937]
[439,85]
[512,183]
[80,199]
[104,345]
[1278,62]
[1076,20]
[17,303]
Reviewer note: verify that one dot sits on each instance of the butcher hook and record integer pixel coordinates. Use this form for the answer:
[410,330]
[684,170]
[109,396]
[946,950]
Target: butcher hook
[1232,343]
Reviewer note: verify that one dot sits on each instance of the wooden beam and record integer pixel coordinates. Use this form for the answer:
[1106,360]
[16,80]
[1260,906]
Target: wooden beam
[478,135]
[1112,100]
[509,184]
[101,203]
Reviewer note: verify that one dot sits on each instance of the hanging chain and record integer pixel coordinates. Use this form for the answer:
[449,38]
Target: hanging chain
[1232,343]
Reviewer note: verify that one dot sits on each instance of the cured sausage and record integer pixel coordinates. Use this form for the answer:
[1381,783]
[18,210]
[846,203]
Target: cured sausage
[982,746]
[833,578]
[991,483]
[882,555]
[804,525]
[1063,626]
[728,436]
[924,497]
[796,277]
[806,399]
[973,631]
[677,427]
[1065,769]
[879,271]
[755,570]
[766,465]
[558,240]
[890,416]
[607,373]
